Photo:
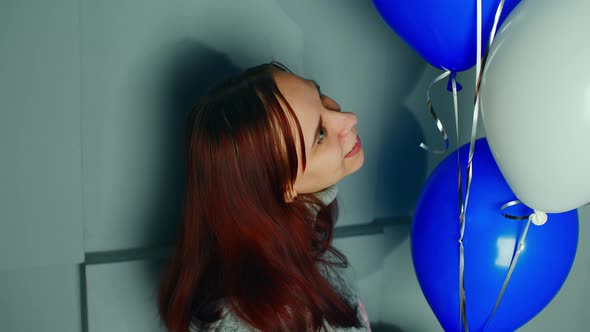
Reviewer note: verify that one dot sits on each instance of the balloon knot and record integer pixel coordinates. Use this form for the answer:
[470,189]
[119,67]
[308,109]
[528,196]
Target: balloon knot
[539,218]
[450,82]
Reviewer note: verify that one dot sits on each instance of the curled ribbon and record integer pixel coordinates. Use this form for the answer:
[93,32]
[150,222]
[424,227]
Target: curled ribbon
[538,218]
[510,216]
[439,124]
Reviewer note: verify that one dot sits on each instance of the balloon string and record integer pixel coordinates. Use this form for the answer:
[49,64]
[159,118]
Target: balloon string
[478,13]
[439,124]
[462,303]
[516,255]
[480,65]
[519,250]
[459,177]
[489,46]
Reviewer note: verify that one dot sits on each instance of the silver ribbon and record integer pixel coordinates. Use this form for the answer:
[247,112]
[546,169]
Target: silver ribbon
[510,216]
[480,65]
[519,249]
[462,304]
[443,133]
[439,124]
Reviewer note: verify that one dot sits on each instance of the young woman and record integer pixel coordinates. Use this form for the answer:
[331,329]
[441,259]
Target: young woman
[254,253]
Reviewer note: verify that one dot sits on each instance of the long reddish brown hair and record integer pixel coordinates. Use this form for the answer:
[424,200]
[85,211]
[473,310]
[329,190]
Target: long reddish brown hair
[241,243]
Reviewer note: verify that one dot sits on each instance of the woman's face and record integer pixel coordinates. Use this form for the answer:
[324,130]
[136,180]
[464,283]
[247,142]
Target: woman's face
[332,146]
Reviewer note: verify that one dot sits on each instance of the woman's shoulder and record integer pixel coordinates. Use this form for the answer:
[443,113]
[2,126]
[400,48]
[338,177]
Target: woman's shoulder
[230,322]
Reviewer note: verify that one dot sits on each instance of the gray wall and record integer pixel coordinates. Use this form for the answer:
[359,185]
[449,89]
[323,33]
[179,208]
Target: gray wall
[93,96]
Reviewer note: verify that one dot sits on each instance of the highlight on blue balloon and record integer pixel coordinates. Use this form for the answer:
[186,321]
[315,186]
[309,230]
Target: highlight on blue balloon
[442,32]
[490,241]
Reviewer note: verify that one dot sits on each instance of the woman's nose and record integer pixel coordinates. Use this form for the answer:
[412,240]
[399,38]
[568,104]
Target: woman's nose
[347,121]
[342,122]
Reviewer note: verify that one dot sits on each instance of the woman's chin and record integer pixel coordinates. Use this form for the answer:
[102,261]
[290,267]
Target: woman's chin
[357,162]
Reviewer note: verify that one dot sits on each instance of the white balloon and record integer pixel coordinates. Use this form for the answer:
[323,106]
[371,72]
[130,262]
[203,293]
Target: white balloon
[535,103]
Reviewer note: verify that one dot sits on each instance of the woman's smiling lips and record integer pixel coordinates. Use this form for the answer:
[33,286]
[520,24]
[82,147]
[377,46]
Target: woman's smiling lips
[355,149]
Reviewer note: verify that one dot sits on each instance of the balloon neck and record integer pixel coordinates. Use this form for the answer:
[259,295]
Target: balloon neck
[452,76]
[539,218]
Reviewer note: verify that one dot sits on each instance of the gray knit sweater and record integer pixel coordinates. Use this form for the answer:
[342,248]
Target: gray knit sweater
[230,322]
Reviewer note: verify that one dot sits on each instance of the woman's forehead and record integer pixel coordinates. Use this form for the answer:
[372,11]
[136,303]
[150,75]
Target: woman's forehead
[302,95]
[292,84]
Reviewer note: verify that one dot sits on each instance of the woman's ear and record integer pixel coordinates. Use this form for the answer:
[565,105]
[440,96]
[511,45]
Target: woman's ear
[290,195]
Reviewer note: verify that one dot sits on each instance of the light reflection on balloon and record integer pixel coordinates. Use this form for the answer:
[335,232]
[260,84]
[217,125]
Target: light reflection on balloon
[505,246]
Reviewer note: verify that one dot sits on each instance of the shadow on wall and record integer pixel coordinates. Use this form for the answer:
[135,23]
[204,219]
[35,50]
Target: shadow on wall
[189,73]
[402,165]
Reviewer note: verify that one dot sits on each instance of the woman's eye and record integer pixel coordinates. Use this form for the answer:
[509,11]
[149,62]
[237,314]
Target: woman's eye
[321,135]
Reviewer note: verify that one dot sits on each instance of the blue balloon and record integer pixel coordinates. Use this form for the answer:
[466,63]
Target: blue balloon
[442,32]
[489,240]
